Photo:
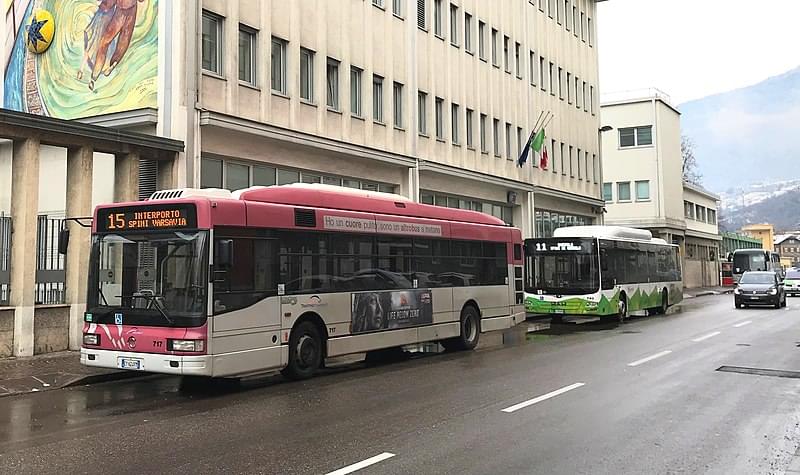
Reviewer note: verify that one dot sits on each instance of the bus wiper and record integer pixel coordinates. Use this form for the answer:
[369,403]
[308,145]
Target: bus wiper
[151,300]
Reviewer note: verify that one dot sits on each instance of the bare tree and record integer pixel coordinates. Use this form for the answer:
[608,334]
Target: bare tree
[689,164]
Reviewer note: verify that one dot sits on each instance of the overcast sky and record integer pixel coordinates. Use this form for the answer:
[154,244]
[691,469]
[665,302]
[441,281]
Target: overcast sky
[694,48]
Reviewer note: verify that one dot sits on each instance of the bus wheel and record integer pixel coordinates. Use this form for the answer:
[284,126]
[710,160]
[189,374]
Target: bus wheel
[662,310]
[623,309]
[470,331]
[305,352]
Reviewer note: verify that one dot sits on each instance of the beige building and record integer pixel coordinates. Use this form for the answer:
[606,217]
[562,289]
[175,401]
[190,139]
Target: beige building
[643,182]
[764,231]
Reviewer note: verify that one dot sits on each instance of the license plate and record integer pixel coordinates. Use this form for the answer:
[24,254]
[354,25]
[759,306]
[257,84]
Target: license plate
[129,363]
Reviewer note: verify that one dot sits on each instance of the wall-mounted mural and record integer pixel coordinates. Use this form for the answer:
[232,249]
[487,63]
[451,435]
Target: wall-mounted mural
[103,57]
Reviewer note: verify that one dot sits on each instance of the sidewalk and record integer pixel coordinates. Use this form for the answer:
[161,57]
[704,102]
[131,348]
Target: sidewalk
[703,291]
[51,371]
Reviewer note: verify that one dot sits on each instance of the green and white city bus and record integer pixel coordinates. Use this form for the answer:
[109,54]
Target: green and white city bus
[604,271]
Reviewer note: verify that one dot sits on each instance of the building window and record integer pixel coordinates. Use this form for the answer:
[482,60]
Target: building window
[506,53]
[454,122]
[548,221]
[591,98]
[558,12]
[575,24]
[552,79]
[495,58]
[590,33]
[355,92]
[500,211]
[438,18]
[550,8]
[518,60]
[688,210]
[482,132]
[542,72]
[468,32]
[569,88]
[397,8]
[278,69]
[508,142]
[212,47]
[421,20]
[496,136]
[210,173]
[553,152]
[519,141]
[482,40]
[643,190]
[585,101]
[564,152]
[377,98]
[712,219]
[332,84]
[624,191]
[577,92]
[397,99]
[378,3]
[586,165]
[532,66]
[561,83]
[583,26]
[307,74]
[439,110]
[566,14]
[607,193]
[470,119]
[454,25]
[594,168]
[247,55]
[570,162]
[422,111]
[635,136]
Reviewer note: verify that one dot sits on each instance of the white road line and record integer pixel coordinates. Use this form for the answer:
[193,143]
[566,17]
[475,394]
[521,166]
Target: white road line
[650,358]
[706,337]
[748,322]
[362,464]
[543,397]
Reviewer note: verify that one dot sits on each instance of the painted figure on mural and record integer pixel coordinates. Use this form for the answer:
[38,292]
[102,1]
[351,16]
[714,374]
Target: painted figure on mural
[108,33]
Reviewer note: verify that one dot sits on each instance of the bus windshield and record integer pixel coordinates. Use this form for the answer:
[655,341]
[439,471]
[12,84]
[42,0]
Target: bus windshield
[563,267]
[745,261]
[149,279]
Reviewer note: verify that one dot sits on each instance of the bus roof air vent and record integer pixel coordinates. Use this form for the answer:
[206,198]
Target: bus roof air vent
[190,193]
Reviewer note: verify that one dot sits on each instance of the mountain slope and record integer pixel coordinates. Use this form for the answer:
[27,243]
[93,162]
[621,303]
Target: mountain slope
[748,135]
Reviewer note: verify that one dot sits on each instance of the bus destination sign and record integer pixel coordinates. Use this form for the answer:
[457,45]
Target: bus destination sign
[147,218]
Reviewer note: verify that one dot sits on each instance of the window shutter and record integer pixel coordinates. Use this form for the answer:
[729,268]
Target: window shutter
[421,14]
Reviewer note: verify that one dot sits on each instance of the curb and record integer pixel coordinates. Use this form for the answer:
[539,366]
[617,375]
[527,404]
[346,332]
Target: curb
[103,378]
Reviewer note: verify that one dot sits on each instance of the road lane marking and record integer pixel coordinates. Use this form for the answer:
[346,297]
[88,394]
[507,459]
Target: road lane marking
[40,381]
[362,464]
[543,397]
[743,324]
[650,358]
[706,337]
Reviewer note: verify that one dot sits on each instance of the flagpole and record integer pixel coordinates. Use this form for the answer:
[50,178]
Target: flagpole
[538,120]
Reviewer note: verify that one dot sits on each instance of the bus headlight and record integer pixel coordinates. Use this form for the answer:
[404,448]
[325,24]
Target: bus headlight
[92,339]
[186,345]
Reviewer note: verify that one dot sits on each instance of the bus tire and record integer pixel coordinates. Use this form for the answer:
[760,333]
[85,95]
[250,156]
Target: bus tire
[662,310]
[470,331]
[305,352]
[622,313]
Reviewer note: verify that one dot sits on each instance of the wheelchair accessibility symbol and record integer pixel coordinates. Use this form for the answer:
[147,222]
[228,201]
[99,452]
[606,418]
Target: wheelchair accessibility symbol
[118,318]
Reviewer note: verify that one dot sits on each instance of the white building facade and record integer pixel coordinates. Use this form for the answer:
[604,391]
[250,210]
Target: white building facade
[644,188]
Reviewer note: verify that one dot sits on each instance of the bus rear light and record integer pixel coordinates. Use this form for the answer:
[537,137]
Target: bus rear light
[92,339]
[195,346]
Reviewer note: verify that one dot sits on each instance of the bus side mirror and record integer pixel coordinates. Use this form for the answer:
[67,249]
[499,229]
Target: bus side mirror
[223,254]
[63,241]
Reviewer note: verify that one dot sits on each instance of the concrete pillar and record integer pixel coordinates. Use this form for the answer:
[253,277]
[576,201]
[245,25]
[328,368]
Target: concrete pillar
[79,204]
[24,211]
[126,177]
[167,176]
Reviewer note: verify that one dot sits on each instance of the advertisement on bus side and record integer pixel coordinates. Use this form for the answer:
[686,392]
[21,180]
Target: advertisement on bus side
[390,310]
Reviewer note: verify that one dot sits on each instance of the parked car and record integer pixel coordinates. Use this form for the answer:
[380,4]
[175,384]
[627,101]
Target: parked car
[792,282]
[760,288]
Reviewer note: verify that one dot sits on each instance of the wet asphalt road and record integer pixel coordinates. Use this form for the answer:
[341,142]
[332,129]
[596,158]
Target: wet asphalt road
[652,401]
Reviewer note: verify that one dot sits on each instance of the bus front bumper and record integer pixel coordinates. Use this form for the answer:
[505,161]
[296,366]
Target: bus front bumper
[199,365]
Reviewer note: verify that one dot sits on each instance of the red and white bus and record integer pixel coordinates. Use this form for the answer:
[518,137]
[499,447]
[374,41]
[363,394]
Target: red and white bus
[214,283]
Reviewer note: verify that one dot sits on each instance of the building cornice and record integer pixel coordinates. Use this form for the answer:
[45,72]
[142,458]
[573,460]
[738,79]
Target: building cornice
[699,234]
[448,170]
[125,119]
[700,190]
[224,121]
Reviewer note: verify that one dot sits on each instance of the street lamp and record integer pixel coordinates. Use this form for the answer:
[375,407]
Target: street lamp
[605,128]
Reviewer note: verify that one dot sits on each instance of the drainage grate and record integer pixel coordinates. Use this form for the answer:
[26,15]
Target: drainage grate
[760,371]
